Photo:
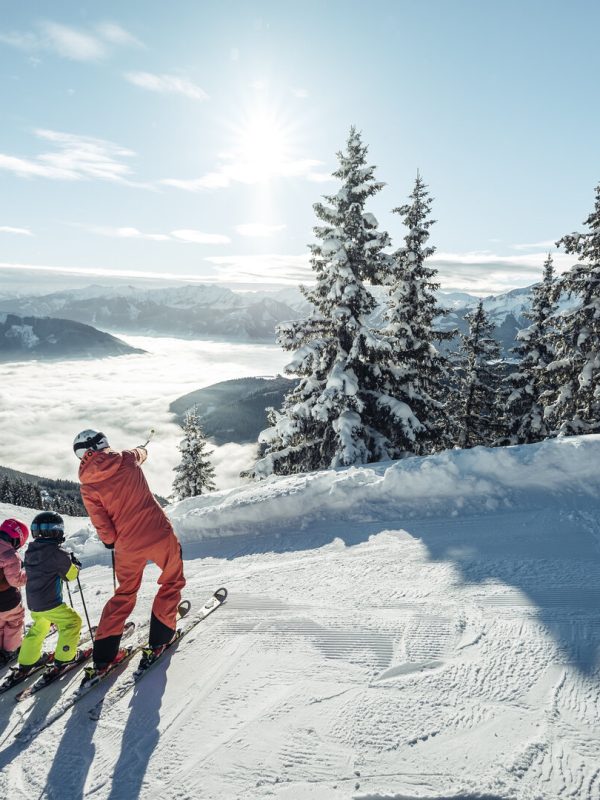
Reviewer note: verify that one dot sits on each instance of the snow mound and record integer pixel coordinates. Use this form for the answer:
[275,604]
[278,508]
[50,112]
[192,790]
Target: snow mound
[556,473]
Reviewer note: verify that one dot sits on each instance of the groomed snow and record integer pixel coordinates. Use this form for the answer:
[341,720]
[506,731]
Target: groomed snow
[420,629]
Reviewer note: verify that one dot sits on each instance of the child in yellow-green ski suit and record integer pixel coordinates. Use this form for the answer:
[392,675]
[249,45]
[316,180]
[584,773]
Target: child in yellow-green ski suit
[47,565]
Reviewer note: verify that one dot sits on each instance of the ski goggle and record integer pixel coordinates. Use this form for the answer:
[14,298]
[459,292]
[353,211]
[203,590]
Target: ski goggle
[90,444]
[47,526]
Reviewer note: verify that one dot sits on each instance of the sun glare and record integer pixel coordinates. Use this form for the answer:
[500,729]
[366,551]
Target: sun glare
[262,149]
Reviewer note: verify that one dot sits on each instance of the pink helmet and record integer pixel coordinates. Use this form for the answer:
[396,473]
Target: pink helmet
[15,531]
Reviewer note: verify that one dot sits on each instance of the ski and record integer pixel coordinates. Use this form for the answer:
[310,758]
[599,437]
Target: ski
[16,675]
[51,675]
[27,733]
[150,657]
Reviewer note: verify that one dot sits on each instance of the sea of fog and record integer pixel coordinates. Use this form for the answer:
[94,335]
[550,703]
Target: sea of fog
[44,404]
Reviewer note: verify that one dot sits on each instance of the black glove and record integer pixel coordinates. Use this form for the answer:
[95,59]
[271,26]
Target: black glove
[75,560]
[110,546]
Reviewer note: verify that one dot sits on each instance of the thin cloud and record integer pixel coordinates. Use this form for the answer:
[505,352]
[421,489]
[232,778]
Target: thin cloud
[75,158]
[128,233]
[547,244]
[237,170]
[212,180]
[198,237]
[22,40]
[117,35]
[269,269]
[258,229]
[167,84]
[485,272]
[301,94]
[13,272]
[74,44]
[320,177]
[185,235]
[18,231]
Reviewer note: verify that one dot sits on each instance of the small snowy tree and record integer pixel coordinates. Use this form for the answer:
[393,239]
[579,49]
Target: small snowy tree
[525,419]
[575,408]
[416,373]
[194,474]
[332,418]
[477,419]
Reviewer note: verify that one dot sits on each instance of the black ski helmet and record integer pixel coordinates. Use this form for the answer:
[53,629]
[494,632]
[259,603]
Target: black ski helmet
[48,525]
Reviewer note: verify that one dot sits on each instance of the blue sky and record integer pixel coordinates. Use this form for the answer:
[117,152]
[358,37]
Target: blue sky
[191,139]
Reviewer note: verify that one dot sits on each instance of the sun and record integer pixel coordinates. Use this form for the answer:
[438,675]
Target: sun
[262,148]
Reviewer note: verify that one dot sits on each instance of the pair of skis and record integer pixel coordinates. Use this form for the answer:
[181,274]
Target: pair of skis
[150,657]
[51,675]
[16,675]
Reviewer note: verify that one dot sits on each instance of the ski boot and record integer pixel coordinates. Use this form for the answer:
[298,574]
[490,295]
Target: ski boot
[20,673]
[96,671]
[55,669]
[6,656]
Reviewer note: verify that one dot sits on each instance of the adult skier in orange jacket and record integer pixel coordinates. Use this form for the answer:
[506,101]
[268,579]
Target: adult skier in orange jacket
[128,518]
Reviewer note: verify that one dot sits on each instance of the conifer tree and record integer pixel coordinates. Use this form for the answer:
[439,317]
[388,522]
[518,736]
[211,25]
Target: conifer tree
[6,490]
[195,473]
[333,417]
[416,372]
[575,406]
[525,418]
[480,382]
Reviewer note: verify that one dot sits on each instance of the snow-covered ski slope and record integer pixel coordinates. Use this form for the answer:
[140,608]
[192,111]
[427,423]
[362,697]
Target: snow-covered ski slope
[422,629]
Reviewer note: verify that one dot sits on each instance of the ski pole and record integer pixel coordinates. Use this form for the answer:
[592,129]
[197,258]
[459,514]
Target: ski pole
[147,442]
[112,556]
[69,593]
[85,609]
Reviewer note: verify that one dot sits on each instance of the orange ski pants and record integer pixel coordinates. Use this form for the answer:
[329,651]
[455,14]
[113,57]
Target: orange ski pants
[129,567]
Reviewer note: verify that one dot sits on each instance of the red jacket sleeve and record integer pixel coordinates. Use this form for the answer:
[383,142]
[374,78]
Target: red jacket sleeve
[99,516]
[140,454]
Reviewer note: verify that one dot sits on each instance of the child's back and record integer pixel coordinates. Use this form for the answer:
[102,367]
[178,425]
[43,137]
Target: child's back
[47,566]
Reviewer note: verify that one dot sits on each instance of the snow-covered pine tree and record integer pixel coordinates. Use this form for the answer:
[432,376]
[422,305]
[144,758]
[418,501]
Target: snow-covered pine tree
[529,385]
[415,372]
[332,418]
[575,408]
[477,418]
[195,473]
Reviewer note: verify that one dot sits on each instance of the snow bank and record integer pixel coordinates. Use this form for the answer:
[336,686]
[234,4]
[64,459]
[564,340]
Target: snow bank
[562,473]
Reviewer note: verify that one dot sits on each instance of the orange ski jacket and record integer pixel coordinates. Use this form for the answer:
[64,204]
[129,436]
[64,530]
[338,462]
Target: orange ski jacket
[118,499]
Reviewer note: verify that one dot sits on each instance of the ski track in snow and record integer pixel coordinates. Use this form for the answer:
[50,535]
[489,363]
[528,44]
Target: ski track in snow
[445,661]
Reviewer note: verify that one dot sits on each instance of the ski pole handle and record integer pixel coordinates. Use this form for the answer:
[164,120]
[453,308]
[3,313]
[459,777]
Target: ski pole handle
[147,442]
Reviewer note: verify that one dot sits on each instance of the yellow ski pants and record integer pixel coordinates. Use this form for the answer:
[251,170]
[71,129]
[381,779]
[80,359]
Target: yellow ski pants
[68,624]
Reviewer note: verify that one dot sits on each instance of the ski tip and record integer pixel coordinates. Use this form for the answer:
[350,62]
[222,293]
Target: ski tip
[221,594]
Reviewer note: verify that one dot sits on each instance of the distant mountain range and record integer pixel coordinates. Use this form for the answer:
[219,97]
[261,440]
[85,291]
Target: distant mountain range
[193,311]
[23,338]
[208,311]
